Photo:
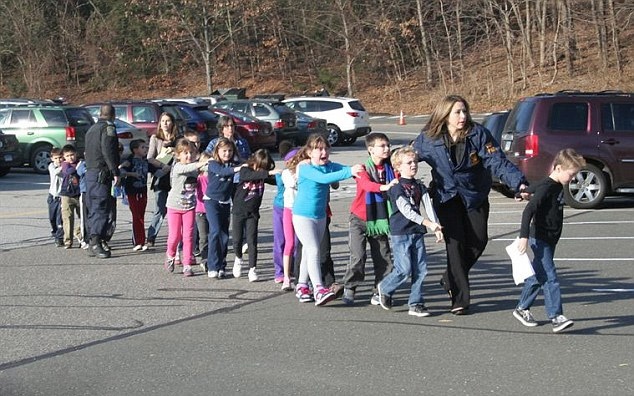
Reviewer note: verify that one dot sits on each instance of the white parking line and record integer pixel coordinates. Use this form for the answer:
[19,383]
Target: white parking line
[574,238]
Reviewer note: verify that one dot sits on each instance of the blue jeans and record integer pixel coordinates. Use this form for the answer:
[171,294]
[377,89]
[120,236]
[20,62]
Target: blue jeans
[160,210]
[545,277]
[409,258]
[218,216]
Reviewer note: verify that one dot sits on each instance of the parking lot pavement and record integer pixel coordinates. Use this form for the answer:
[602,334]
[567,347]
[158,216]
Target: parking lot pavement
[74,325]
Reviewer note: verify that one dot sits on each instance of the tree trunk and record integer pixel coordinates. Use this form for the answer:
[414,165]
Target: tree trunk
[425,44]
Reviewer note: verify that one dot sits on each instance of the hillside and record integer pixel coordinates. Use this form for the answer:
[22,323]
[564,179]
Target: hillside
[484,85]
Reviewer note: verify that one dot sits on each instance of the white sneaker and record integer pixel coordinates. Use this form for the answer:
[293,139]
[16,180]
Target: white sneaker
[237,267]
[212,274]
[245,248]
[137,248]
[253,276]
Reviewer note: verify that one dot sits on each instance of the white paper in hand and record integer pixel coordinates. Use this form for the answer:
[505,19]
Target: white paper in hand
[522,267]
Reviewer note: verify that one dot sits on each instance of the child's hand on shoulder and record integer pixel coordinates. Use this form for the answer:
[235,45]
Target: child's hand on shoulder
[391,184]
[356,169]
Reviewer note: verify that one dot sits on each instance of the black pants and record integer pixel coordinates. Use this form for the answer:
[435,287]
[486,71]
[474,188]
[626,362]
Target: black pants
[99,201]
[246,223]
[466,238]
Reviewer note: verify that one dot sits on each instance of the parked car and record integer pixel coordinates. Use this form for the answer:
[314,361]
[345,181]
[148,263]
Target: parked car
[10,155]
[195,117]
[142,114]
[126,133]
[282,119]
[346,117]
[308,125]
[39,128]
[13,102]
[494,122]
[259,134]
[598,125]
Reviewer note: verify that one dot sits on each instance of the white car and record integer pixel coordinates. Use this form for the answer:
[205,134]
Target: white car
[346,117]
[126,133]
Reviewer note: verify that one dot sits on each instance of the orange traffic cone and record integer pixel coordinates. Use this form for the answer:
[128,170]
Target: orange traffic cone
[401,120]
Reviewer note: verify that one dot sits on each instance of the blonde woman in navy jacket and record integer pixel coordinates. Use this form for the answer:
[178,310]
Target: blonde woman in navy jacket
[462,155]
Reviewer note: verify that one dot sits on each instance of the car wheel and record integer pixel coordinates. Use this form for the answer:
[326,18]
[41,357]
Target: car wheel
[4,171]
[587,189]
[335,136]
[40,158]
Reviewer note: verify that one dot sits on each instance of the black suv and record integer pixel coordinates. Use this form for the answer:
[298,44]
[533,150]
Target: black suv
[598,125]
[39,128]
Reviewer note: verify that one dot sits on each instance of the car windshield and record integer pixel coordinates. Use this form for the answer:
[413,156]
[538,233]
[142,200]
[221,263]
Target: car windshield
[122,124]
[520,118]
[241,116]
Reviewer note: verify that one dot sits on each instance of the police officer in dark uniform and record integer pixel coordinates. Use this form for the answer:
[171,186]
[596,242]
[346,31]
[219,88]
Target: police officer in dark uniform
[462,156]
[102,169]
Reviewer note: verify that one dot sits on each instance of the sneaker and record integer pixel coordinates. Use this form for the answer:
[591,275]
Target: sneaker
[323,296]
[221,274]
[203,265]
[137,248]
[287,285]
[212,274]
[169,264]
[561,322]
[374,300]
[348,297]
[59,242]
[245,248]
[237,267]
[384,300]
[187,271]
[84,245]
[525,317]
[303,294]
[105,246]
[68,245]
[253,275]
[337,288]
[418,310]
[279,279]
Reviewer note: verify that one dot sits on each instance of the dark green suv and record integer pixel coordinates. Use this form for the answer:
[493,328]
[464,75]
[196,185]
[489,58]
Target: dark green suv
[42,127]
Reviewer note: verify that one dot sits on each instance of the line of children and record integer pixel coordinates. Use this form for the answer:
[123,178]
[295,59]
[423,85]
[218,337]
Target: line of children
[304,186]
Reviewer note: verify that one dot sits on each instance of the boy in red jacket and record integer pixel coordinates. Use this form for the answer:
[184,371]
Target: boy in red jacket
[369,219]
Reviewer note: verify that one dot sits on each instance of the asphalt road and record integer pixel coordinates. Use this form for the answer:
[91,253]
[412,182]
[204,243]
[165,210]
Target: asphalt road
[74,325]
